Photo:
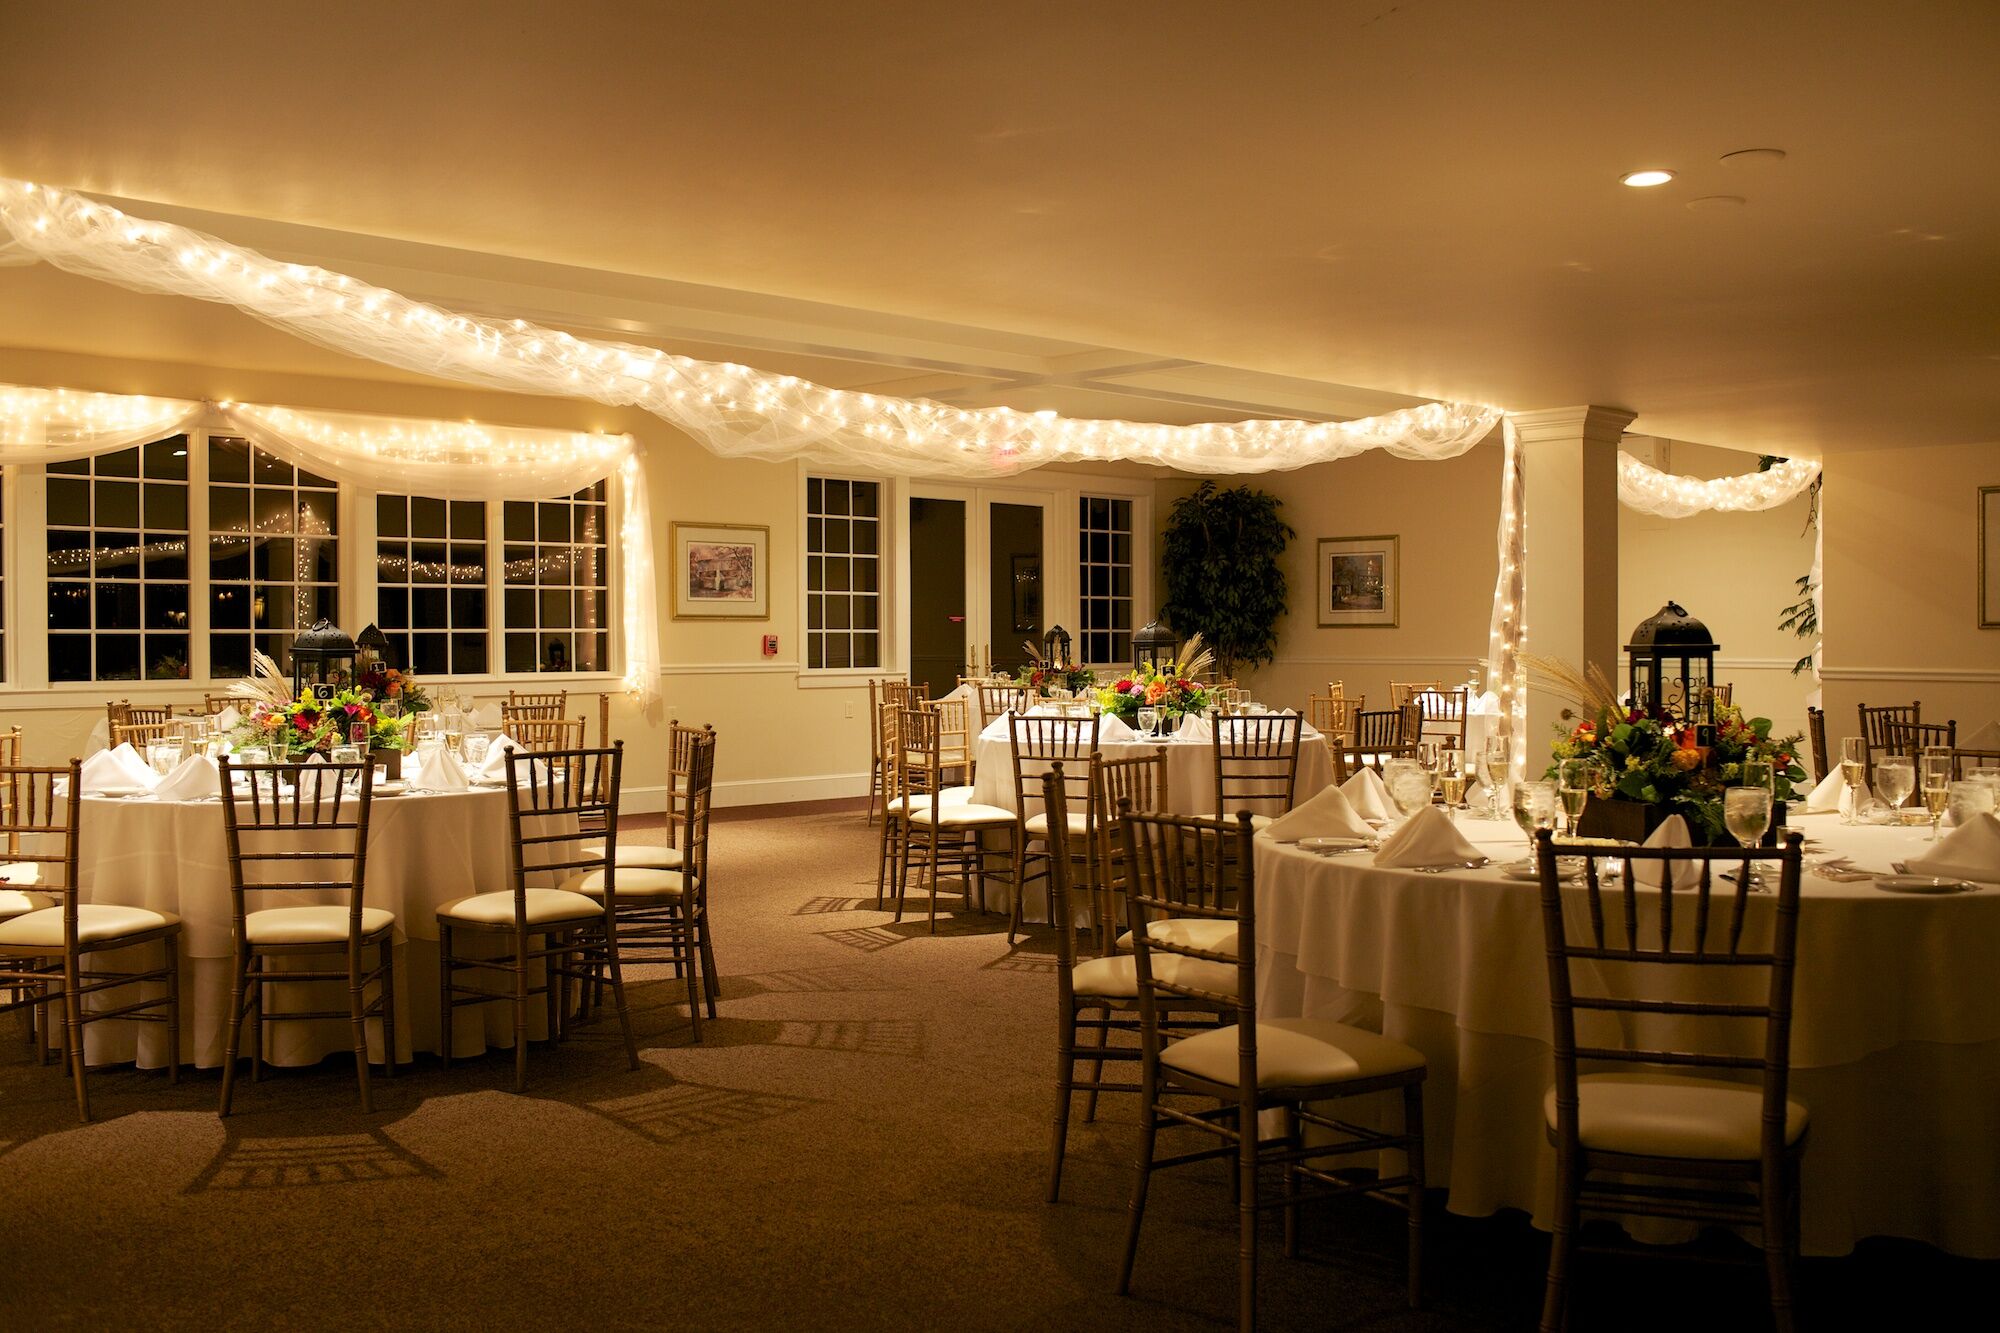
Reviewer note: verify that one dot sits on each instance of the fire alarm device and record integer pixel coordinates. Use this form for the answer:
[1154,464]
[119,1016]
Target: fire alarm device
[770,645]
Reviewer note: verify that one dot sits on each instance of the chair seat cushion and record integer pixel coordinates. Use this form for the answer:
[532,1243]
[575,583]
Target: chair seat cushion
[1038,825]
[1117,977]
[13,902]
[1672,1115]
[966,815]
[311,925]
[633,882]
[643,855]
[544,906]
[1210,933]
[95,922]
[922,800]
[1294,1053]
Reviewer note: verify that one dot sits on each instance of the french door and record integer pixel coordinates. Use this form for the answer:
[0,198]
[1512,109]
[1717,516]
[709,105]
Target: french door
[980,578]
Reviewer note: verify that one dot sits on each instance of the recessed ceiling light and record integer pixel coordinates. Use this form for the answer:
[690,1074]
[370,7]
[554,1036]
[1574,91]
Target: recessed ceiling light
[1639,180]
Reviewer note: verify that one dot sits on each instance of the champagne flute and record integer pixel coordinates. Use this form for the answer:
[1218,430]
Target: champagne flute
[1936,787]
[1895,779]
[1495,762]
[1452,778]
[1574,790]
[1853,772]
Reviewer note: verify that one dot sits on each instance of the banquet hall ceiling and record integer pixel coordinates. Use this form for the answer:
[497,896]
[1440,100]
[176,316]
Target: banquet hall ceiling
[1173,211]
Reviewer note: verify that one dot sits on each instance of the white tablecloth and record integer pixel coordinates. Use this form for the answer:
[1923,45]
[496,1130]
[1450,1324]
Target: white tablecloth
[423,851]
[1895,1034]
[1190,770]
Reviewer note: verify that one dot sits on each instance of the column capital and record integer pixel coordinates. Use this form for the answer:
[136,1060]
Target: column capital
[1589,425]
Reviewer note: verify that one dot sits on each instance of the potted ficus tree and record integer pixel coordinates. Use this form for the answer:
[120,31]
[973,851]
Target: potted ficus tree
[1220,557]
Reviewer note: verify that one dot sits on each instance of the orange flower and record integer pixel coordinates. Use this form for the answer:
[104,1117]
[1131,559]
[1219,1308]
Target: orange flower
[1687,759]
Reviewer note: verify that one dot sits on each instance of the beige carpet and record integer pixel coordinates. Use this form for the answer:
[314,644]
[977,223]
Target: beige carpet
[861,1142]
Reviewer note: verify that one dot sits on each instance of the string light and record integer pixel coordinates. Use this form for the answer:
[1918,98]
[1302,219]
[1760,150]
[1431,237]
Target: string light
[1507,636]
[1651,491]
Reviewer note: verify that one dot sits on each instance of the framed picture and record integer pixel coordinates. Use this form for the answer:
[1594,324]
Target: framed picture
[721,571]
[1358,582]
[1989,557]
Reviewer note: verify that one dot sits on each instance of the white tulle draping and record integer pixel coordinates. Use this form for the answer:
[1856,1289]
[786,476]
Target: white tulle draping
[450,459]
[736,411]
[1505,673]
[56,425]
[1651,491]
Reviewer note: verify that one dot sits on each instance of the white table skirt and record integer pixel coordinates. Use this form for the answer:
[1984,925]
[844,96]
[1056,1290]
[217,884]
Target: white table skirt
[1895,1033]
[423,851]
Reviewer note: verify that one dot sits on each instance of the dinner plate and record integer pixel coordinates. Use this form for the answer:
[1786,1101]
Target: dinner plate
[1922,884]
[390,787]
[120,791]
[1332,844]
[1529,872]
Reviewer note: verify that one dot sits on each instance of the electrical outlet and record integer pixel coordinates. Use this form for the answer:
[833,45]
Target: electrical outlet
[850,710]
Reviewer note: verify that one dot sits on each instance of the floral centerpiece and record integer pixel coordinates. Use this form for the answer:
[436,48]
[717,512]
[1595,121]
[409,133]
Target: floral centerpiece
[1168,686]
[319,719]
[386,684]
[1651,759]
[1044,677]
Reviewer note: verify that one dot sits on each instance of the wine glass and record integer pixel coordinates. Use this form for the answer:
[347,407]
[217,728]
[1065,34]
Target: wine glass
[1535,807]
[1573,790]
[1895,779]
[1853,772]
[1936,776]
[1452,778]
[1494,762]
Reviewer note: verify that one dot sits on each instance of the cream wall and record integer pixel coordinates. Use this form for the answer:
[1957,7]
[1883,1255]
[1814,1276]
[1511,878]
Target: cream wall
[1733,571]
[1902,588]
[783,737]
[1448,516]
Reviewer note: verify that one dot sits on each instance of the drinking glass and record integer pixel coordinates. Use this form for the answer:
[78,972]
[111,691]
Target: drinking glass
[347,754]
[476,746]
[1149,720]
[1409,785]
[1895,779]
[454,731]
[1853,772]
[1759,773]
[390,709]
[463,700]
[1535,807]
[1494,761]
[1452,777]
[1746,813]
[1968,799]
[159,757]
[1935,772]
[1574,789]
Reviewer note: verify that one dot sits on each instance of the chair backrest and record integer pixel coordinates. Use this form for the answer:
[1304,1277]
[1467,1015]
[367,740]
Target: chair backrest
[1174,870]
[297,828]
[1380,729]
[537,703]
[10,757]
[39,828]
[127,713]
[1062,911]
[1816,733]
[1875,724]
[1964,761]
[1139,780]
[695,806]
[1256,759]
[918,769]
[1441,716]
[997,699]
[904,694]
[1336,689]
[139,734]
[1725,694]
[1038,744]
[888,741]
[547,733]
[1913,738]
[211,704]
[954,734]
[514,717]
[552,796]
[682,743]
[1333,716]
[1626,954]
[1403,691]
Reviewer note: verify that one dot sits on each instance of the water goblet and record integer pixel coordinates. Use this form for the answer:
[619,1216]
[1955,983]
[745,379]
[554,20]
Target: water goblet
[1895,779]
[1408,783]
[1149,721]
[476,746]
[1966,800]
[1535,807]
[1759,773]
[1746,814]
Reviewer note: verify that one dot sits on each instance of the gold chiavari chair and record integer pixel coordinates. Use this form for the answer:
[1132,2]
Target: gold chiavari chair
[1403,691]
[554,734]
[997,699]
[139,735]
[295,830]
[536,704]
[1442,716]
[663,914]
[1336,689]
[1037,744]
[681,742]
[50,954]
[578,934]
[1816,732]
[1875,725]
[1098,995]
[211,704]
[1256,758]
[1139,780]
[1725,694]
[1729,1150]
[902,790]
[875,756]
[904,694]
[929,819]
[1249,1067]
[1332,716]
[955,737]
[516,718]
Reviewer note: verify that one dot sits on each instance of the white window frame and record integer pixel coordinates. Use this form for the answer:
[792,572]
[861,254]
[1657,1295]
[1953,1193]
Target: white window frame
[26,589]
[887,557]
[1138,535]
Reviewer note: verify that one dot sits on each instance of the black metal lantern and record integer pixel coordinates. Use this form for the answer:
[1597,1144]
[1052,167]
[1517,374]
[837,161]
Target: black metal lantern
[1055,646]
[1672,663]
[322,658]
[372,646]
[1154,646]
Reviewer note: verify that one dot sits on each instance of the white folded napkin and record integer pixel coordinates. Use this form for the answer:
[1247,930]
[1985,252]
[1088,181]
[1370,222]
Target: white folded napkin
[316,786]
[440,770]
[1971,852]
[120,767]
[1671,833]
[227,718]
[1369,796]
[1194,727]
[487,717]
[1111,727]
[1327,815]
[1427,838]
[1830,794]
[195,778]
[996,730]
[1486,705]
[493,768]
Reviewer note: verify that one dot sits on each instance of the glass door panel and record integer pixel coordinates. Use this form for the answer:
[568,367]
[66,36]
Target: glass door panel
[938,623]
[1014,578]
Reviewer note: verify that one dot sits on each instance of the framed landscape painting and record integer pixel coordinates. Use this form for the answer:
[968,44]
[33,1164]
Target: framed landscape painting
[721,571]
[1358,582]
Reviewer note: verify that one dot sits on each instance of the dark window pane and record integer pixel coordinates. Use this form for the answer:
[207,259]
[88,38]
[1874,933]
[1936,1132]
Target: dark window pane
[117,504]
[392,516]
[276,607]
[69,502]
[316,604]
[429,654]
[166,506]
[269,470]
[166,656]
[838,651]
[520,652]
[69,657]
[124,463]
[868,652]
[865,574]
[555,610]
[69,607]
[865,537]
[228,460]
[520,564]
[75,467]
[229,558]
[229,654]
[468,519]
[165,555]
[167,606]
[117,656]
[552,521]
[468,609]
[836,498]
[518,522]
[118,606]
[228,509]
[468,563]
[318,514]
[318,559]
[429,608]
[520,610]
[314,480]
[167,459]
[426,516]
[815,496]
[271,512]
[836,537]
[468,653]
[392,607]
[866,498]
[275,561]
[229,607]
[428,563]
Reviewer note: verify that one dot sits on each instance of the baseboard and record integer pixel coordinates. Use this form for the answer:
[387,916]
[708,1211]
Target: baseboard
[788,791]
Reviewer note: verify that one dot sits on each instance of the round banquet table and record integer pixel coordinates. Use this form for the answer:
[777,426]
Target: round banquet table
[423,851]
[1895,1031]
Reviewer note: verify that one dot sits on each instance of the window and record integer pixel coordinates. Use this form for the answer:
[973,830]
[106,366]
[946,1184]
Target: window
[273,555]
[556,568]
[118,564]
[1104,579]
[3,580]
[431,597]
[843,573]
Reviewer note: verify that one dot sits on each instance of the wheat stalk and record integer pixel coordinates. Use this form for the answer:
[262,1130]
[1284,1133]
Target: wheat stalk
[266,684]
[1588,691]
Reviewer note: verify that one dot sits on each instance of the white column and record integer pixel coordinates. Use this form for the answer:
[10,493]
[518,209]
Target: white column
[1569,460]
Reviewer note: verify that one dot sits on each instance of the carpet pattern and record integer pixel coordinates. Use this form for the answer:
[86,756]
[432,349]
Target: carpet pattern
[860,1142]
